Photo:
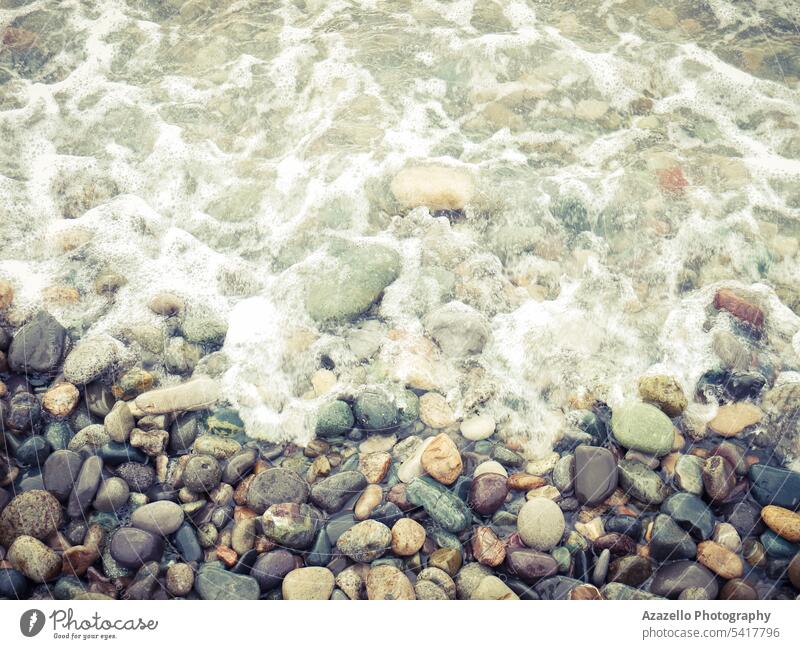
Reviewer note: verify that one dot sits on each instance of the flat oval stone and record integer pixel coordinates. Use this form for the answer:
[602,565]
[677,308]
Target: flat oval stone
[531,565]
[365,541]
[111,495]
[440,503]
[131,547]
[60,472]
[85,486]
[162,517]
[312,583]
[186,543]
[332,493]
[271,567]
[202,473]
[291,524]
[196,394]
[642,427]
[215,583]
[274,486]
[595,474]
[773,486]
[642,483]
[673,578]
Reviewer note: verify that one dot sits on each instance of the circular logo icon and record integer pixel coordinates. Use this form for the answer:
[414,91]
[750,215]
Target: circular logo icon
[31,622]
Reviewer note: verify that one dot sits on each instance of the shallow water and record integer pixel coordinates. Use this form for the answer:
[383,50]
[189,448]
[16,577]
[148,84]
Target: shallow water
[629,158]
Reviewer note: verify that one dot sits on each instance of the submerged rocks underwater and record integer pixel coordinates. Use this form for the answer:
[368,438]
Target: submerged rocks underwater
[489,303]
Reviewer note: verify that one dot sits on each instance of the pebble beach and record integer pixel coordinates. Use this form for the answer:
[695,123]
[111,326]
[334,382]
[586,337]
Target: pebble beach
[439,301]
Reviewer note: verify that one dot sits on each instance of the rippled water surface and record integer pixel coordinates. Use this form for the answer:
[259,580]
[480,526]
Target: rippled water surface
[627,159]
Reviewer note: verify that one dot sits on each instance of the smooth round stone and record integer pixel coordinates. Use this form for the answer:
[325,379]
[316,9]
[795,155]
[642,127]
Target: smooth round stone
[490,466]
[531,565]
[332,493]
[783,522]
[311,583]
[215,583]
[185,541]
[275,486]
[239,465]
[202,473]
[541,524]
[117,453]
[616,543]
[633,570]
[773,486]
[34,559]
[85,486]
[13,584]
[271,567]
[140,477]
[131,547]
[487,493]
[408,536]
[600,571]
[669,542]
[365,541]
[291,524]
[689,474]
[33,451]
[673,578]
[179,579]
[738,589]
[643,427]
[38,346]
[388,583]
[642,483]
[374,411]
[478,428]
[34,513]
[718,478]
[163,517]
[691,513]
[111,495]
[60,472]
[595,474]
[59,434]
[334,419]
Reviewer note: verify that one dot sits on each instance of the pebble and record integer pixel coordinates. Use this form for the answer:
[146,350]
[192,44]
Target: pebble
[271,567]
[91,437]
[34,513]
[674,577]
[531,565]
[738,306]
[179,579]
[773,486]
[91,358]
[434,411]
[311,583]
[642,483]
[488,493]
[457,328]
[131,547]
[334,419]
[433,186]
[442,505]
[643,427]
[543,466]
[351,582]
[215,583]
[166,304]
[119,422]
[490,466]
[202,473]
[60,472]
[524,482]
[411,466]
[408,537]
[38,346]
[691,513]
[369,499]
[162,517]
[595,474]
[61,400]
[385,582]
[332,493]
[365,541]
[669,542]
[291,524]
[375,466]
[733,418]
[34,559]
[86,486]
[193,395]
[783,522]
[718,478]
[487,548]
[493,588]
[6,294]
[541,524]
[793,571]
[632,570]
[139,477]
[725,534]
[478,428]
[375,411]
[378,444]
[719,559]
[689,474]
[600,571]
[446,559]
[664,392]
[111,495]
[427,590]
[738,589]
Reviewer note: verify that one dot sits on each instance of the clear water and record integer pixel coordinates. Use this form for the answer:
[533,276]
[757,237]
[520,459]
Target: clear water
[213,149]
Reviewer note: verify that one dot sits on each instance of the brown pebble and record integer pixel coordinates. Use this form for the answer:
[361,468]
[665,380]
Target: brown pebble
[738,589]
[726,300]
[783,522]
[720,560]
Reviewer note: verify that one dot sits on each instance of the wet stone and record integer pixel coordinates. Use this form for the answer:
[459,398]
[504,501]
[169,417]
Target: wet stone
[85,486]
[487,493]
[332,493]
[595,474]
[669,542]
[38,346]
[632,570]
[34,513]
[163,517]
[718,478]
[774,486]
[131,547]
[202,473]
[291,524]
[441,504]
[531,565]
[60,472]
[673,578]
[691,513]
[111,495]
[365,541]
[215,583]
[271,567]
[642,483]
[643,427]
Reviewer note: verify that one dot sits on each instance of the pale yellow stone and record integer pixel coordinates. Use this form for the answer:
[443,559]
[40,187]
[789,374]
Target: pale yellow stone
[733,418]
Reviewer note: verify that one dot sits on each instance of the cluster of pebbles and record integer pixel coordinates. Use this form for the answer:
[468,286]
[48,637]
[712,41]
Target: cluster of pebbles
[113,488]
